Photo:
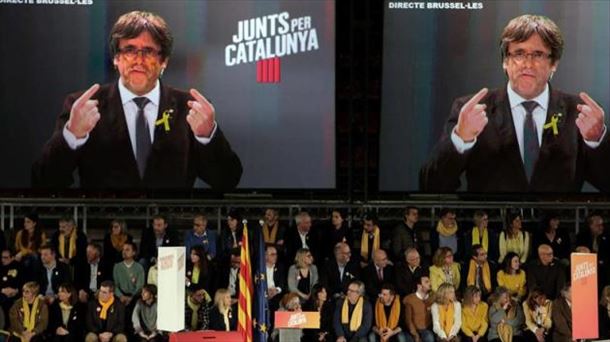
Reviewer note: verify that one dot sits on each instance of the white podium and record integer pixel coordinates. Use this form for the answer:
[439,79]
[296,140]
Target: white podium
[171,265]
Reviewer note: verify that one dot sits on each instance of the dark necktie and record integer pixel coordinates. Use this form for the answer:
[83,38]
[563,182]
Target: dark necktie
[142,135]
[530,139]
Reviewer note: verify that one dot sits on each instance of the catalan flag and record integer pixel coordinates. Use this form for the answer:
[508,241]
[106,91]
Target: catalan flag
[244,310]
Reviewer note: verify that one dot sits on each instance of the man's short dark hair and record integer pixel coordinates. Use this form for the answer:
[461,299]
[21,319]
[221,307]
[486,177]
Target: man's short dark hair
[108,284]
[159,217]
[67,219]
[131,25]
[446,211]
[521,28]
[408,210]
[475,250]
[389,287]
[97,247]
[133,246]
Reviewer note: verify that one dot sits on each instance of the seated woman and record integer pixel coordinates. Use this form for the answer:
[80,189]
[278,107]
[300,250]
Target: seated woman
[537,311]
[27,242]
[197,268]
[514,238]
[222,317]
[290,302]
[144,317]
[29,316]
[512,277]
[505,317]
[303,275]
[319,302]
[113,243]
[446,314]
[444,270]
[474,316]
[65,321]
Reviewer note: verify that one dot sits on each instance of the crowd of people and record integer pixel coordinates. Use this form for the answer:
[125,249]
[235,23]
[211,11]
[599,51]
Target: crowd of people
[368,283]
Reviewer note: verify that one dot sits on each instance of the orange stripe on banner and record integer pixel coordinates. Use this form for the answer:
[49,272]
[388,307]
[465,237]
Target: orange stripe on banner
[259,71]
[584,296]
[277,70]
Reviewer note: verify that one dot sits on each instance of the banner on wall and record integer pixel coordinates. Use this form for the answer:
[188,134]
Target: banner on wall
[584,295]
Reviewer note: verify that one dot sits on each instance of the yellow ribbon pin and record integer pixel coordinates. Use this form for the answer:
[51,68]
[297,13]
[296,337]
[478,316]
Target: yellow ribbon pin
[165,119]
[553,123]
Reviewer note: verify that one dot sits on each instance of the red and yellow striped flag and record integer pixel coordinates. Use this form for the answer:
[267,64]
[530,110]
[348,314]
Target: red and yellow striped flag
[244,311]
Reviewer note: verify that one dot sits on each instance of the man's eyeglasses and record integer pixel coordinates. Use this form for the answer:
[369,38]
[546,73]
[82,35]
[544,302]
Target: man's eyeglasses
[131,52]
[536,56]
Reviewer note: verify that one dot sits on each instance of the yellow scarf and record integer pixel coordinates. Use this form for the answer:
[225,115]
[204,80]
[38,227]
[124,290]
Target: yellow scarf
[105,306]
[65,312]
[381,321]
[72,246]
[444,231]
[446,314]
[118,241]
[356,320]
[472,273]
[194,307]
[270,234]
[478,240]
[29,318]
[364,242]
[195,276]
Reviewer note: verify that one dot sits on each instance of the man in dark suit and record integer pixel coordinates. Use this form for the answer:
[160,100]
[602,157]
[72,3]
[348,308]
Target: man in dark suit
[153,238]
[90,273]
[51,273]
[338,272]
[408,271]
[376,274]
[354,305]
[301,237]
[105,317]
[527,136]
[597,241]
[138,132]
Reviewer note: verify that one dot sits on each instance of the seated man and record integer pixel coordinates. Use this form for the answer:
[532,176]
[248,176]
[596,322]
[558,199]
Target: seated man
[105,318]
[408,271]
[389,317]
[89,273]
[377,273]
[11,279]
[353,315]
[201,235]
[417,311]
[479,271]
[546,273]
[69,242]
[51,274]
[340,271]
[128,275]
[153,238]
[197,308]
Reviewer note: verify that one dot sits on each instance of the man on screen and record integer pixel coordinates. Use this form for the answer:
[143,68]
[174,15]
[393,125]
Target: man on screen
[527,136]
[138,132]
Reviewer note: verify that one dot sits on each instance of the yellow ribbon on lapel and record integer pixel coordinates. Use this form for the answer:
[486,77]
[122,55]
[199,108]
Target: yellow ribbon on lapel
[553,123]
[165,120]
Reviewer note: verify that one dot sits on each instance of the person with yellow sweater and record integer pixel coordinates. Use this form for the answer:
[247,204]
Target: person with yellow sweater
[446,314]
[514,238]
[444,270]
[512,277]
[537,311]
[474,316]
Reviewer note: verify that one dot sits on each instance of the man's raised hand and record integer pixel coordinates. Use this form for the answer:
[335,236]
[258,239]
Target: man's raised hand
[472,118]
[201,115]
[590,121]
[84,114]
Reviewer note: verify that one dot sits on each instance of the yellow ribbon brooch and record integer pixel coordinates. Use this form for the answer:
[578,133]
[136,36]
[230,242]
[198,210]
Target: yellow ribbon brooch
[165,119]
[553,123]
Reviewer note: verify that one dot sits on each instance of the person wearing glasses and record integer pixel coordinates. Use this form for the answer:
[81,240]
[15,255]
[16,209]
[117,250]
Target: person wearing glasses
[528,136]
[138,132]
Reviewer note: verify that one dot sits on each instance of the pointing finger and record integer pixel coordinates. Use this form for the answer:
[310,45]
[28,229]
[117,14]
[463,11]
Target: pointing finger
[475,99]
[86,95]
[588,100]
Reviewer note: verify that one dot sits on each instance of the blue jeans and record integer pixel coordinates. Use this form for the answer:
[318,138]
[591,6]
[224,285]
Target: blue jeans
[424,334]
[400,337]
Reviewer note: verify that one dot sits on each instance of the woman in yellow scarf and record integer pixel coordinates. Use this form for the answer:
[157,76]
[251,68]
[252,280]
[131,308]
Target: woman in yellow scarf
[447,229]
[444,270]
[474,316]
[446,314]
[29,316]
[114,241]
